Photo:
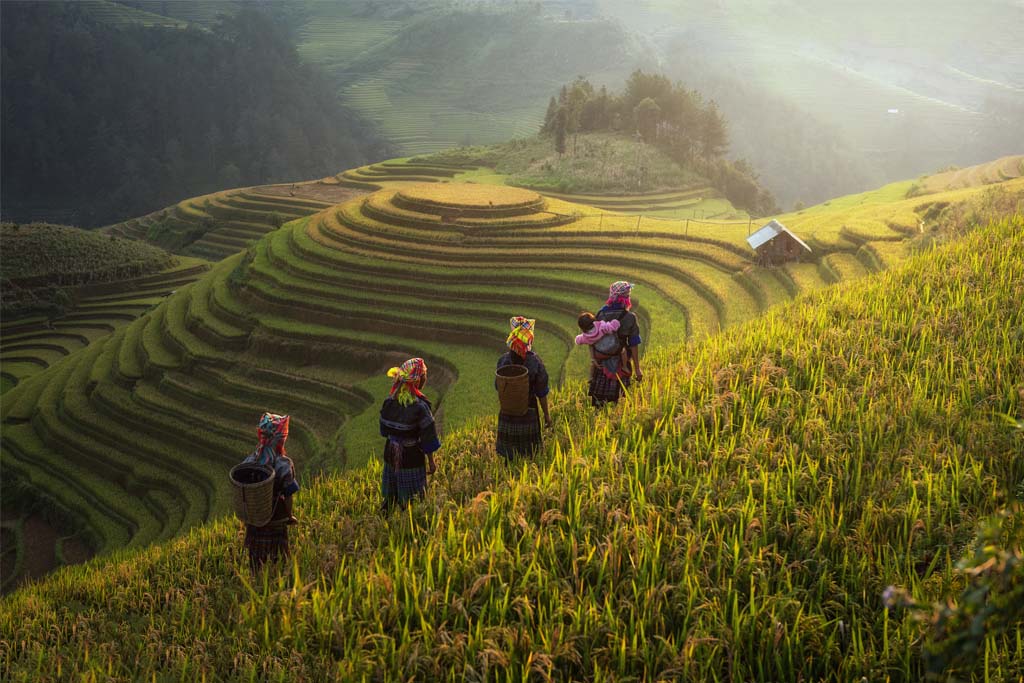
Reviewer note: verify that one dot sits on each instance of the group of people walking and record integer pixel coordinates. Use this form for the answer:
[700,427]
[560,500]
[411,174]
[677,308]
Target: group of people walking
[612,336]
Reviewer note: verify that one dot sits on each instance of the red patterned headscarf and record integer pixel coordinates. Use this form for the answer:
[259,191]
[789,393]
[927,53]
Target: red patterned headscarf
[406,377]
[618,294]
[273,432]
[520,339]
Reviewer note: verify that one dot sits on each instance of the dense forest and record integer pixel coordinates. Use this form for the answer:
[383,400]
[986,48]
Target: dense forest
[103,122]
[692,132]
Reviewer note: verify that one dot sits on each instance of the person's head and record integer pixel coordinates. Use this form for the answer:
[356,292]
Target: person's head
[409,378]
[272,430]
[618,294]
[585,321]
[520,339]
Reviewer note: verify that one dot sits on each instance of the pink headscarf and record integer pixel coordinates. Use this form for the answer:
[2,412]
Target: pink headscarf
[618,294]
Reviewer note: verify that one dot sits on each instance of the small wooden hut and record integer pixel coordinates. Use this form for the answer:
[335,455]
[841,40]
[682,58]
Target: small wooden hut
[774,244]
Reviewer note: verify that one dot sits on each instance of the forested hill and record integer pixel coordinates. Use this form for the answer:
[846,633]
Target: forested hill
[104,121]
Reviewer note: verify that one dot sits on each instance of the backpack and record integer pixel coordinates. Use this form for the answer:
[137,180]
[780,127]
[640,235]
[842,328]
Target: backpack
[610,344]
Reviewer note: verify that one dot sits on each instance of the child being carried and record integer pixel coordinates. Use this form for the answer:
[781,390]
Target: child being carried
[606,349]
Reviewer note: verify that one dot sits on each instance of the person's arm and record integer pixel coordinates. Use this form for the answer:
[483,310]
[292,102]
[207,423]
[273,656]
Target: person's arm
[289,487]
[544,407]
[633,339]
[634,358]
[428,438]
[541,388]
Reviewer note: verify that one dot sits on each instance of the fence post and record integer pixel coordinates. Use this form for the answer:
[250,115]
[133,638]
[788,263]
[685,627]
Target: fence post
[638,224]
[686,232]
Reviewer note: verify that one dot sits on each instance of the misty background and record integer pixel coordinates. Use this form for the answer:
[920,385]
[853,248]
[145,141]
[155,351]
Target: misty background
[114,109]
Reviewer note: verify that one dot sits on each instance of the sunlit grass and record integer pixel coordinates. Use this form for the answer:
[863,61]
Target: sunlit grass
[735,518]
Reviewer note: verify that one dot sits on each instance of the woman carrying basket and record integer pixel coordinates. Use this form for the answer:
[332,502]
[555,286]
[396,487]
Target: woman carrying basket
[520,435]
[406,421]
[270,542]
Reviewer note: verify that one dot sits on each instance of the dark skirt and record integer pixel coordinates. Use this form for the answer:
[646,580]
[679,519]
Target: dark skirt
[266,543]
[402,485]
[604,389]
[518,435]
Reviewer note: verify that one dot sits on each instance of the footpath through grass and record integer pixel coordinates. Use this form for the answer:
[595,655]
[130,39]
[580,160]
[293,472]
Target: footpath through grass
[736,518]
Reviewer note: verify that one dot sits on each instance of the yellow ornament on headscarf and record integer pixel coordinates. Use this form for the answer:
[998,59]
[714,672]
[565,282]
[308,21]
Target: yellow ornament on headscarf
[520,339]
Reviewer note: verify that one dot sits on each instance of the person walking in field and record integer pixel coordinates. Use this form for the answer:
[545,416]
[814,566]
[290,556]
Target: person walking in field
[613,368]
[520,435]
[269,543]
[407,424]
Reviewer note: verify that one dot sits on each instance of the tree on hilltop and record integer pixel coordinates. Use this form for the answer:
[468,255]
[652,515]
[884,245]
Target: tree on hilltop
[560,129]
[549,117]
[714,139]
[647,115]
[666,115]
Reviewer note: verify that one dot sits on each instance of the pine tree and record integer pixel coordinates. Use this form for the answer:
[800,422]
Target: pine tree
[561,129]
[549,117]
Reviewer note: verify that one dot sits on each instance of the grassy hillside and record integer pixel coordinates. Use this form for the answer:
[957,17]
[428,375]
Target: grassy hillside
[220,224]
[826,98]
[989,173]
[610,173]
[64,287]
[442,75]
[131,437]
[39,252]
[737,518]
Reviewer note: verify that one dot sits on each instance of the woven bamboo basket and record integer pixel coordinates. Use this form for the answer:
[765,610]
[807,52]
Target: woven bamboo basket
[254,492]
[513,389]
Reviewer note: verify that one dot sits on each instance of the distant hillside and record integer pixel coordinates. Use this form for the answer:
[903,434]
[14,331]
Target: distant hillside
[41,261]
[437,75]
[119,116]
[63,288]
[602,163]
[737,518]
[836,96]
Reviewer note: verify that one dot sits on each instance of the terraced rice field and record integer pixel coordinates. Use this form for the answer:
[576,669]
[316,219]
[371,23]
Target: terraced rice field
[1006,168]
[217,225]
[701,203]
[401,171]
[698,204]
[116,14]
[30,345]
[133,434]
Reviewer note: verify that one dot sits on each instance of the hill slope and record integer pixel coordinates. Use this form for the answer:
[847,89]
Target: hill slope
[63,287]
[737,517]
[308,319]
[97,135]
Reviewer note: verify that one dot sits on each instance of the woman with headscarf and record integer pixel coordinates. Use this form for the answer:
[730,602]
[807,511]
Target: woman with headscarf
[270,542]
[407,424]
[608,376]
[520,435]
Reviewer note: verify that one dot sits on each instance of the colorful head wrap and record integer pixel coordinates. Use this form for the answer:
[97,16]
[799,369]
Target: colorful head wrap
[406,377]
[520,339]
[273,432]
[618,294]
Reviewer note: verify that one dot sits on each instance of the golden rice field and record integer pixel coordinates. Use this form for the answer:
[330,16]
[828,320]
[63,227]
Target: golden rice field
[1006,168]
[131,436]
[737,517]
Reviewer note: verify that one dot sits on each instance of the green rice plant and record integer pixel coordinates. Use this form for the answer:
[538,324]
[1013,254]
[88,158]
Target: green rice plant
[327,303]
[737,516]
[131,359]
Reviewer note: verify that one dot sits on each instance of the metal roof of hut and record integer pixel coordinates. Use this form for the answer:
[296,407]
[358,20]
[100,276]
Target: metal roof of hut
[769,232]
